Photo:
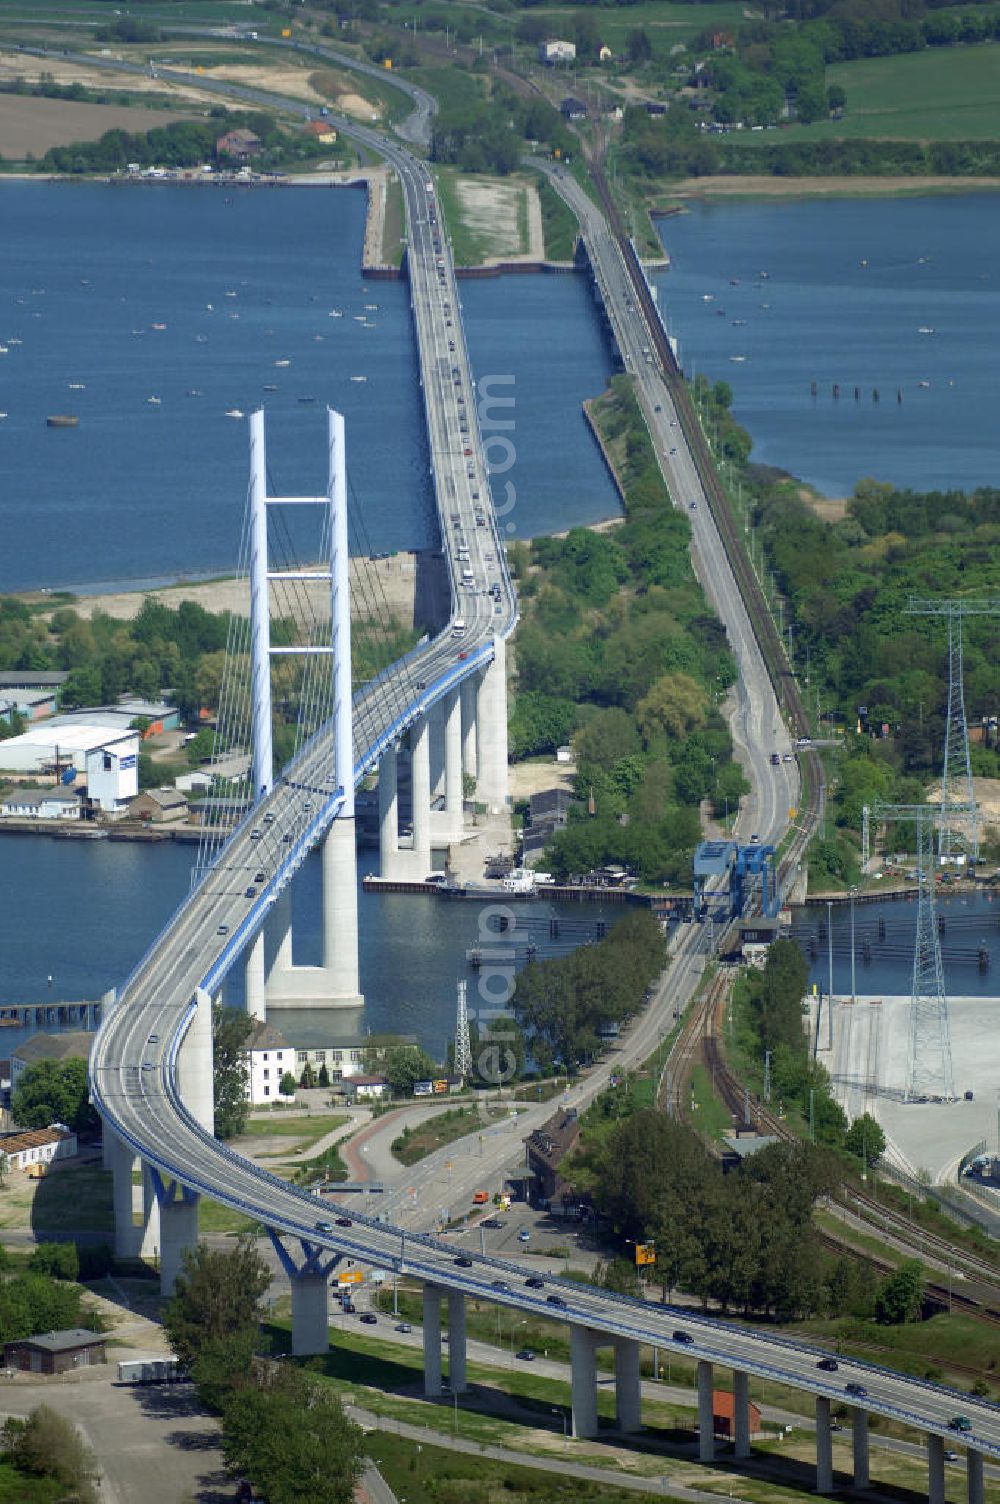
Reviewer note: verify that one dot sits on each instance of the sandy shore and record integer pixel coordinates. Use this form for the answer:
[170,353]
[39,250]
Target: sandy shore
[762,186]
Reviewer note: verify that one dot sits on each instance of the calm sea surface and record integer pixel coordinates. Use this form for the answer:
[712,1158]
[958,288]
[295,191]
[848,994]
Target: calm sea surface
[111,296]
[850,284]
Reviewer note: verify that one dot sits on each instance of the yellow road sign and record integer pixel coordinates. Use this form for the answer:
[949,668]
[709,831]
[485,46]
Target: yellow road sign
[349,1277]
[645,1253]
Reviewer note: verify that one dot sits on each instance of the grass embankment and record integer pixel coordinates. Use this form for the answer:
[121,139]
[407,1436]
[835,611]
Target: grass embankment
[75,1199]
[393,225]
[616,416]
[307,1130]
[424,1474]
[558,223]
[414,1143]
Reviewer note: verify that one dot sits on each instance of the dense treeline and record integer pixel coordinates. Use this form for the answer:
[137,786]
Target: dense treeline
[562,1004]
[483,126]
[184,143]
[618,648]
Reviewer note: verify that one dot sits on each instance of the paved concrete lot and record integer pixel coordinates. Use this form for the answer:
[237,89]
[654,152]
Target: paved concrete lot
[869,1064]
[153,1444]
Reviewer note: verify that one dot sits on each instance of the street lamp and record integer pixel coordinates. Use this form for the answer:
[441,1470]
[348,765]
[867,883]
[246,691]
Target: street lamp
[564,1418]
[513,1329]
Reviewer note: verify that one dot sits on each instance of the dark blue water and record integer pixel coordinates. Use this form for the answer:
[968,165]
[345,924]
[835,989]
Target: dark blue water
[150,491]
[84,912]
[850,284]
[969,923]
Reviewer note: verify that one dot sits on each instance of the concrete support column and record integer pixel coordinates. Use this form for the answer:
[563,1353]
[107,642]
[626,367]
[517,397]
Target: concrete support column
[469,699]
[122,1160]
[388,811]
[452,710]
[824,1446]
[974,1476]
[456,1342]
[420,793]
[860,1440]
[254,987]
[432,1342]
[935,1470]
[194,1065]
[706,1419]
[741,1413]
[340,911]
[435,729]
[583,1380]
[310,1321]
[178,1231]
[282,921]
[491,719]
[149,1237]
[628,1386]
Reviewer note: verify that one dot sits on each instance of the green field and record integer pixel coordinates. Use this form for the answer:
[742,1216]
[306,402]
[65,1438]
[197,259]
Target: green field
[944,94]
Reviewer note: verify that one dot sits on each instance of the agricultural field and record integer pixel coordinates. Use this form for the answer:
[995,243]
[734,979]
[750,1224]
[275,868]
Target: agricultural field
[30,125]
[943,94]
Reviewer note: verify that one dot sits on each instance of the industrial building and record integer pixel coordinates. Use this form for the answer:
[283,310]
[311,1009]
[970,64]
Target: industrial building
[69,748]
[56,1352]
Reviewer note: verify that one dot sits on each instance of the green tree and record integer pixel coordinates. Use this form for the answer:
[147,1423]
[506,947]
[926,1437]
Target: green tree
[865,1139]
[46,1445]
[231,1029]
[899,1299]
[291,1438]
[404,1065]
[216,1299]
[54,1091]
[287,1086]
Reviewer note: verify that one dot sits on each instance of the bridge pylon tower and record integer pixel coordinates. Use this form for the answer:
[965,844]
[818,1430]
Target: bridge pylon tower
[957,771]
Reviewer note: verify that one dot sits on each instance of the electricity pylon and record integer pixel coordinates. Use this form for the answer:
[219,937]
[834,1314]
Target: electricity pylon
[463,1046]
[928,1063]
[957,765]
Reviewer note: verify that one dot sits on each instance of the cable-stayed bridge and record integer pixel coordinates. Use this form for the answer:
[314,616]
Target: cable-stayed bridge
[151,1068]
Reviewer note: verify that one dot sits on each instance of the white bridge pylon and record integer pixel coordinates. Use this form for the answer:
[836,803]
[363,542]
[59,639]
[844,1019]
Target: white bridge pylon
[336,983]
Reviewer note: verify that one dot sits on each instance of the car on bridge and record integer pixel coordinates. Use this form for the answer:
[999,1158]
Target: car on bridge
[684,1337]
[960,1423]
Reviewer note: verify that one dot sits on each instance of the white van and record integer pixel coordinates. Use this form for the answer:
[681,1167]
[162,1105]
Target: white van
[458,627]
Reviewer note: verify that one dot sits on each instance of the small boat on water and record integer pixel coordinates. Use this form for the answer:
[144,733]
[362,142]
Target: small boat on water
[2,416]
[234,412]
[282,362]
[359,318]
[923,383]
[708,297]
[153,401]
[193,392]
[202,339]
[359,378]
[77,386]
[62,420]
[371,308]
[335,313]
[3,349]
[307,399]
[737,359]
[158,326]
[925,329]
[269,386]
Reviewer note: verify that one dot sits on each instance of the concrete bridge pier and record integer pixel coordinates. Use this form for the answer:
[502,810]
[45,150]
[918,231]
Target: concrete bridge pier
[178,1230]
[706,1420]
[420,794]
[336,983]
[468,693]
[432,1342]
[491,732]
[119,1158]
[824,1446]
[974,1476]
[741,1413]
[583,1344]
[628,1386]
[255,987]
[388,811]
[456,1342]
[309,1278]
[935,1470]
[859,1437]
[447,824]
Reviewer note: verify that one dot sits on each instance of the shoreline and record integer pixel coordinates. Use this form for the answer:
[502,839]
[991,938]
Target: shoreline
[764,185]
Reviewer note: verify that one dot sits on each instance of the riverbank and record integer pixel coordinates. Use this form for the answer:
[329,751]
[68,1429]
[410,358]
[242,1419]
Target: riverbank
[764,186]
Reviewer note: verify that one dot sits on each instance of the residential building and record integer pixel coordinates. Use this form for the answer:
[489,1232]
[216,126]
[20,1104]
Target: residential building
[556,51]
[240,144]
[56,1352]
[546,1149]
[573,109]
[74,1044]
[322,131]
[159,807]
[40,804]
[270,1057]
[37,1147]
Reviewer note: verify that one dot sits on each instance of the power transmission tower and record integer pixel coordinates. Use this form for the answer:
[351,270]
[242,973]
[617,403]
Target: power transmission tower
[957,764]
[463,1046]
[928,1063]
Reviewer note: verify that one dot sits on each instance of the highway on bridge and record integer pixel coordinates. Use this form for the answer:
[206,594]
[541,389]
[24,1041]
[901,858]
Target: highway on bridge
[134,1064]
